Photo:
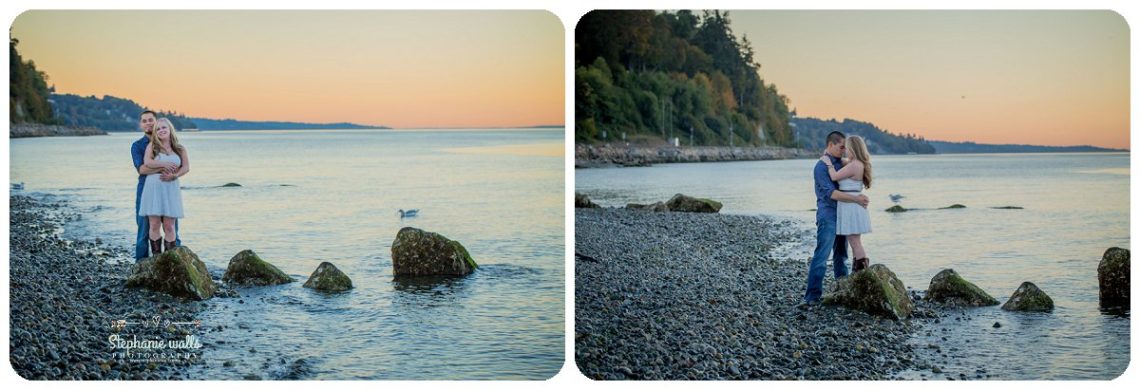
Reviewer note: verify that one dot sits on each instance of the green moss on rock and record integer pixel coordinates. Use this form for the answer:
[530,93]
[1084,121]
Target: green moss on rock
[875,290]
[1028,298]
[953,206]
[689,204]
[177,272]
[583,202]
[420,253]
[248,268]
[949,287]
[328,278]
[896,209]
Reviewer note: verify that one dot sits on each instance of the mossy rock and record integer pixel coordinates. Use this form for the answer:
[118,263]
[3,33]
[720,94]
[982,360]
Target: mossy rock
[896,209]
[177,272]
[953,206]
[230,185]
[875,290]
[328,278]
[1028,298]
[1112,275]
[1008,208]
[949,287]
[248,268]
[689,204]
[420,253]
[583,202]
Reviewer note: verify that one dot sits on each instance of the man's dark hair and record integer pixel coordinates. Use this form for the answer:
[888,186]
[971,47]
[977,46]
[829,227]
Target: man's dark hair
[835,137]
[152,113]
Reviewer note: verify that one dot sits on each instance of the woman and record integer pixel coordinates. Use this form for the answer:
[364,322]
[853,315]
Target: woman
[161,200]
[853,220]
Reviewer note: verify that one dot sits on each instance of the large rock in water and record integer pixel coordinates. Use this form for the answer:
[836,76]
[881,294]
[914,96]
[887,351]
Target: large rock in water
[583,202]
[1112,274]
[948,287]
[659,206]
[685,203]
[875,290]
[1028,298]
[328,278]
[249,269]
[177,272]
[417,253]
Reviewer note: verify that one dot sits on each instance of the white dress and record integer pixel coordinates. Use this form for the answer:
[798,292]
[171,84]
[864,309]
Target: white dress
[161,198]
[851,217]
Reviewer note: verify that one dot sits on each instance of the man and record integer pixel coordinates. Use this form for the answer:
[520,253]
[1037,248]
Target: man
[826,196]
[138,148]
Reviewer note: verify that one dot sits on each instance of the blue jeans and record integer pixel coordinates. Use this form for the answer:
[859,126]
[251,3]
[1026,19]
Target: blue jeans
[825,242]
[142,240]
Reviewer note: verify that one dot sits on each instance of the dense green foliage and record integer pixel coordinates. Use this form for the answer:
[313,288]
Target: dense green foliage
[108,113]
[811,134]
[27,90]
[661,75]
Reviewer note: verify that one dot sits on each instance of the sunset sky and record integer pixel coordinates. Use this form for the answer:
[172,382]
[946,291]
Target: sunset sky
[401,69]
[1035,77]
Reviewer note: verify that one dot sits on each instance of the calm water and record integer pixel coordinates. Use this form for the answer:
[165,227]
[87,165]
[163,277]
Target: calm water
[1075,207]
[313,196]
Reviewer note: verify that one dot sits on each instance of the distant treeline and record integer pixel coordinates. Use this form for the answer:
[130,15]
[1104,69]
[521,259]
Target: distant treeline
[107,113]
[233,124]
[811,134]
[27,90]
[656,75]
[970,147]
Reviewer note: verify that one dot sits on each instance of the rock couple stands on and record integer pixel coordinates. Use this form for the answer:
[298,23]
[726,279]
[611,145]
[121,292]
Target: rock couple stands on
[420,253]
[875,290]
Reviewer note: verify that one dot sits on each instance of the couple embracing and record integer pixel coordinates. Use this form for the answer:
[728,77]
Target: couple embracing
[160,160]
[841,215]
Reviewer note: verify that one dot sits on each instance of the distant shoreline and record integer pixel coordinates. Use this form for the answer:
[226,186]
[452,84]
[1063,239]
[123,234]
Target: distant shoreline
[608,155]
[33,130]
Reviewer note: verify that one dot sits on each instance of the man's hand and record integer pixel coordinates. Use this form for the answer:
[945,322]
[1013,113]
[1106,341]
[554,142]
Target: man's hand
[863,200]
[168,177]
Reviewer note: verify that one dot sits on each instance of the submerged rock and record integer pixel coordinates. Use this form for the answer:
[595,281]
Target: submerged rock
[1113,276]
[1028,298]
[418,253]
[688,204]
[953,206]
[583,202]
[875,290]
[1008,208]
[896,209]
[329,279]
[249,269]
[177,272]
[948,287]
[230,185]
[659,206]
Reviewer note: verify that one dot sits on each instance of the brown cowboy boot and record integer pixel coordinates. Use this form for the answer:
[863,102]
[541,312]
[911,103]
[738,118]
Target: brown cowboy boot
[156,247]
[170,245]
[861,264]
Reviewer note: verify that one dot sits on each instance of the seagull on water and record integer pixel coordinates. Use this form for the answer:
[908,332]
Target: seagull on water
[896,197]
[408,213]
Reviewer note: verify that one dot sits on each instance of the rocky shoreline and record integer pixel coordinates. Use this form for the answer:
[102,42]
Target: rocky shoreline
[69,305]
[668,295]
[30,130]
[608,155]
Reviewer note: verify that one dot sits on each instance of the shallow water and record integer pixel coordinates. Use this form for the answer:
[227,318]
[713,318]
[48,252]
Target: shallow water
[1075,207]
[313,196]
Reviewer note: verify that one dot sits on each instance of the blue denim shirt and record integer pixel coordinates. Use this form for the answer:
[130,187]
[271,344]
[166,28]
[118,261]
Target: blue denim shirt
[137,150]
[824,205]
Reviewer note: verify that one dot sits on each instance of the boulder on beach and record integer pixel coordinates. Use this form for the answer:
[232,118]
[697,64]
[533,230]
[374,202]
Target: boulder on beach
[948,287]
[583,202]
[1112,274]
[688,204]
[659,206]
[953,206]
[896,209]
[875,290]
[177,272]
[419,253]
[1028,298]
[328,278]
[248,268]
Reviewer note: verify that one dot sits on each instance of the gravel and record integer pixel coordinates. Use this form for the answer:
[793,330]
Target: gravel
[663,295]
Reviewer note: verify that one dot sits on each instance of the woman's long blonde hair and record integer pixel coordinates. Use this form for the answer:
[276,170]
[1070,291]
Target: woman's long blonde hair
[858,150]
[158,144]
